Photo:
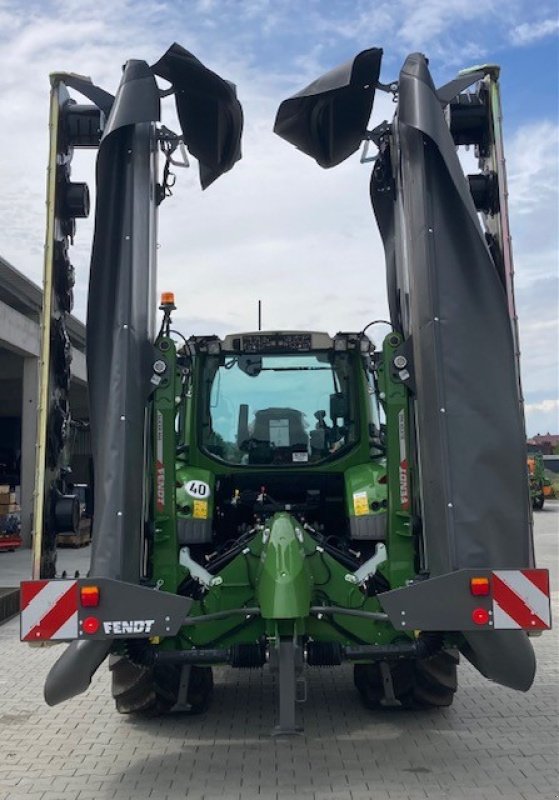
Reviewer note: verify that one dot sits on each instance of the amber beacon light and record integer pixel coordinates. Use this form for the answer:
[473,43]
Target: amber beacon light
[167,299]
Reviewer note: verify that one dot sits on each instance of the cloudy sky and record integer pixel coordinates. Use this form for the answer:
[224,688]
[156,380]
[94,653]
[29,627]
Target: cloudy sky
[278,228]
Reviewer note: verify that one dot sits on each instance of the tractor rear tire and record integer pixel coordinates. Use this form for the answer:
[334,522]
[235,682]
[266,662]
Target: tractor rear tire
[422,683]
[151,691]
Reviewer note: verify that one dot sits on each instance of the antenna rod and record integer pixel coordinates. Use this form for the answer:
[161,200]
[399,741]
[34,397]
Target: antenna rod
[260,315]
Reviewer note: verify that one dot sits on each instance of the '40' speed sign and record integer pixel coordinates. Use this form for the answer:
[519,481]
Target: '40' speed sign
[198,489]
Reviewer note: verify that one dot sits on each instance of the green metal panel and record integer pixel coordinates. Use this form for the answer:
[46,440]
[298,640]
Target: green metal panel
[254,578]
[363,489]
[194,492]
[165,568]
[284,582]
[395,398]
[281,569]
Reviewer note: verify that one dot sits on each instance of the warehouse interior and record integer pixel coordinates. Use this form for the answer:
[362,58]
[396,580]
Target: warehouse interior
[20,309]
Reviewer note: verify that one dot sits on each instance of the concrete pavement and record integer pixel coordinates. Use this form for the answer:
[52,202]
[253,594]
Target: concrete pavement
[492,744]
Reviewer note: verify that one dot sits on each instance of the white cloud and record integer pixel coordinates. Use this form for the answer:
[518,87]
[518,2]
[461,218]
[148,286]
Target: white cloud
[530,32]
[426,22]
[533,167]
[544,405]
[533,170]
[542,417]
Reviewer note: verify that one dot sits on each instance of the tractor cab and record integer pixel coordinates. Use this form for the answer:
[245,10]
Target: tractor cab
[280,420]
[280,399]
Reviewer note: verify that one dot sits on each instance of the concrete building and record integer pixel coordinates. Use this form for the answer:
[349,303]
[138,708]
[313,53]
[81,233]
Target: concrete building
[20,309]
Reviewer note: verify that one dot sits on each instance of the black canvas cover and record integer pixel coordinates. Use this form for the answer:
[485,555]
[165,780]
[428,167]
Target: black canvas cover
[328,119]
[210,115]
[120,322]
[445,293]
[121,305]
[121,301]
[448,300]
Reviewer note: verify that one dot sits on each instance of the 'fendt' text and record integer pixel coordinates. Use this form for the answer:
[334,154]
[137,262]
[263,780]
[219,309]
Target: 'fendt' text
[128,626]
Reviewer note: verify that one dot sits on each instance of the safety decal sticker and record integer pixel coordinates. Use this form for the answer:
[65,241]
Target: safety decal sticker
[49,610]
[360,504]
[200,509]
[521,599]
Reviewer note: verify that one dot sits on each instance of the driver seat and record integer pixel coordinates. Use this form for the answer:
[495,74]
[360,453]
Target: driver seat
[275,431]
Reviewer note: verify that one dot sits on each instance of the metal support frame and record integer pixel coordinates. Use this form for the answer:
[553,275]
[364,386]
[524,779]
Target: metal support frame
[28,445]
[287,686]
[389,700]
[182,703]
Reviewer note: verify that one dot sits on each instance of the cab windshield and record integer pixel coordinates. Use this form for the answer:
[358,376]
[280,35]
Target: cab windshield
[278,409]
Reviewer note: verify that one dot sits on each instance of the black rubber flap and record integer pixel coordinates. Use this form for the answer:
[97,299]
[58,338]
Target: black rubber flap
[328,120]
[119,324]
[506,657]
[71,674]
[210,115]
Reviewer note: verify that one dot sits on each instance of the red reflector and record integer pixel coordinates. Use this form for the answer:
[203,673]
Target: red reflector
[480,616]
[89,596]
[479,586]
[91,625]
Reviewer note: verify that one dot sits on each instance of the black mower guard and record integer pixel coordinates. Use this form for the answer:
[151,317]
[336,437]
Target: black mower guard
[493,609]
[93,612]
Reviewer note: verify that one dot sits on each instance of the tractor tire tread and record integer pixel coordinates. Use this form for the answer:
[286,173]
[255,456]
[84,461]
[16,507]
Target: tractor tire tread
[421,684]
[153,691]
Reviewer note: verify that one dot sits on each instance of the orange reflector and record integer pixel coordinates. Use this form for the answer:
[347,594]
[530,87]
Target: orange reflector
[89,596]
[91,625]
[480,616]
[479,586]
[167,298]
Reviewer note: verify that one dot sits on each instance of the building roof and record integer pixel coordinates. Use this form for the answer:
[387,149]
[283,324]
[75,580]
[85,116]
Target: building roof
[20,293]
[540,438]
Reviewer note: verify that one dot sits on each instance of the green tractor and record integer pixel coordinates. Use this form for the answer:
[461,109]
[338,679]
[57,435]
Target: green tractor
[287,499]
[271,486]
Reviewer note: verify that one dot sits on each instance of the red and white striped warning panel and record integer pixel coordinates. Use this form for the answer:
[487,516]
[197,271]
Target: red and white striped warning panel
[49,610]
[521,599]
